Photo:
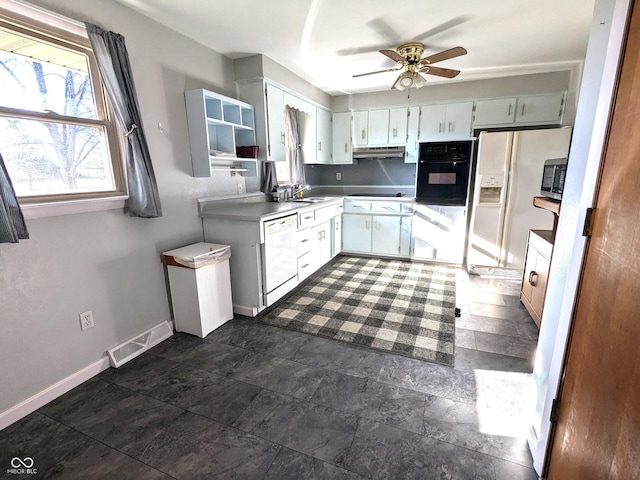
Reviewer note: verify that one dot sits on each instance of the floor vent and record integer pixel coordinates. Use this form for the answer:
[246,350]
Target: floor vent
[140,343]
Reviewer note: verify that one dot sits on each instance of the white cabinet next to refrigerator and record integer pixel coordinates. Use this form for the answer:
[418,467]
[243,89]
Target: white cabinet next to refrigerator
[438,233]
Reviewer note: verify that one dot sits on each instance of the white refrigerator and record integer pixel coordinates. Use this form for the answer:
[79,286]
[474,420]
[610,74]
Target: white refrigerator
[508,176]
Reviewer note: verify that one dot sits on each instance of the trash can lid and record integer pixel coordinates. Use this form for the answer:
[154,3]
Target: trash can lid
[192,252]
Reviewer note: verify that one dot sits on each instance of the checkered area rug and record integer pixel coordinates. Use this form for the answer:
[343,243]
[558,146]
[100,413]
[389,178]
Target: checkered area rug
[396,306]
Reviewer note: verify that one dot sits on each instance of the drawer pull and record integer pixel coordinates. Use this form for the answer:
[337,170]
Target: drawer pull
[305,240]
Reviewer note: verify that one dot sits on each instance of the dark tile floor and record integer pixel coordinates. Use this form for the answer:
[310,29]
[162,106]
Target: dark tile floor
[257,402]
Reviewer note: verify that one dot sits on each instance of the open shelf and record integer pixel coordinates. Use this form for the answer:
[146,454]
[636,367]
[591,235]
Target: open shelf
[217,126]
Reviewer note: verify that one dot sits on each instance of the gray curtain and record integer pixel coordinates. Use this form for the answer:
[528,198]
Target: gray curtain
[12,225]
[269,180]
[294,148]
[115,70]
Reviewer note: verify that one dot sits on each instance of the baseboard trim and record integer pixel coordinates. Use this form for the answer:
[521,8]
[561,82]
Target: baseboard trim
[40,399]
[246,311]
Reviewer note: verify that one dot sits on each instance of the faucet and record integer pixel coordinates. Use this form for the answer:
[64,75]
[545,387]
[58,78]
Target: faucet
[296,192]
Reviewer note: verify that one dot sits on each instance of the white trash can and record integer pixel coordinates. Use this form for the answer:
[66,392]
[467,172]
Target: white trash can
[200,285]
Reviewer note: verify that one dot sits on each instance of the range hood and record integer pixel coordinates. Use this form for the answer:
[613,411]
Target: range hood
[379,152]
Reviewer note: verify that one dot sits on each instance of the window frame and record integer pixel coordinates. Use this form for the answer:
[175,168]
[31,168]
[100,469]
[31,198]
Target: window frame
[24,23]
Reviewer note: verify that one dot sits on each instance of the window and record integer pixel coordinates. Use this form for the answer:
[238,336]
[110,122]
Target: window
[56,136]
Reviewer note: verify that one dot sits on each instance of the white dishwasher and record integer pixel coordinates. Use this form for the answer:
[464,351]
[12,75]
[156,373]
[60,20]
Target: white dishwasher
[279,259]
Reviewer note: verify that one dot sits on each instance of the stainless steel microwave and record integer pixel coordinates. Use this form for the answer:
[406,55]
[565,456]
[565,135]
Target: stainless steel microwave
[553,177]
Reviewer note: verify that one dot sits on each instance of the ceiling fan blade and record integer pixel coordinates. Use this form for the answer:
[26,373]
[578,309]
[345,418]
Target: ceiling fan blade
[378,71]
[446,55]
[393,55]
[440,72]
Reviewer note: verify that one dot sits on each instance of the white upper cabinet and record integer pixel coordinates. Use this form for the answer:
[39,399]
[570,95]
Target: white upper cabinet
[341,126]
[535,109]
[446,121]
[268,104]
[398,126]
[495,111]
[316,136]
[275,123]
[324,136]
[412,135]
[523,110]
[360,127]
[378,127]
[217,126]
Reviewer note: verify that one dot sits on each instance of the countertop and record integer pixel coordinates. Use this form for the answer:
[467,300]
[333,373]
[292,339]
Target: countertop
[251,208]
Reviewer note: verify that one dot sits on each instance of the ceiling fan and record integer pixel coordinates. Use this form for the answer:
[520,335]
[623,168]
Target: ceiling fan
[408,56]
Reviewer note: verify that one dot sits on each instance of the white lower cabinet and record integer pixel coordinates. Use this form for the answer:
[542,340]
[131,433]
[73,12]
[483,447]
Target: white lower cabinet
[376,234]
[321,243]
[316,237]
[356,233]
[385,234]
[438,233]
[376,227]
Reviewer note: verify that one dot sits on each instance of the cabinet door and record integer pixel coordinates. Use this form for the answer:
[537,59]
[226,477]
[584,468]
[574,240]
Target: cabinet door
[307,129]
[324,136]
[540,283]
[432,121]
[413,126]
[275,123]
[540,108]
[324,238]
[378,127]
[385,238]
[452,223]
[405,236]
[341,126]
[499,111]
[336,235]
[356,233]
[360,126]
[459,118]
[398,126]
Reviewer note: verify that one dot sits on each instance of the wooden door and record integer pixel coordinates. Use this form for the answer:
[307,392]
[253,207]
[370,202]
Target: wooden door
[598,430]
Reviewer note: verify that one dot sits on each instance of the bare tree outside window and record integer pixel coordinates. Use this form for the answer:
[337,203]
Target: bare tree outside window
[51,135]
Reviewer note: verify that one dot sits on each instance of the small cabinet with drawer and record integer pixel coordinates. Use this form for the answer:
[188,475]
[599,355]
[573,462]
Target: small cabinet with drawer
[536,272]
[316,236]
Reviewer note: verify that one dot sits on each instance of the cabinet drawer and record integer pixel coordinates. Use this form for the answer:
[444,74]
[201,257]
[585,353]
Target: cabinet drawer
[388,207]
[541,241]
[305,266]
[325,213]
[304,241]
[357,205]
[306,219]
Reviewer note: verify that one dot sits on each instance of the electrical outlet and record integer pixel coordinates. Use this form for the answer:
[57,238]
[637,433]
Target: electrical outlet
[86,320]
[338,176]
[240,188]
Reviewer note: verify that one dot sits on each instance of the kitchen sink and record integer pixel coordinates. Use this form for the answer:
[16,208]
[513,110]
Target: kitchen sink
[312,199]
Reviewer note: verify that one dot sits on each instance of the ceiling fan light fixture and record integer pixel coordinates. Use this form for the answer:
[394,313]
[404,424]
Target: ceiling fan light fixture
[409,79]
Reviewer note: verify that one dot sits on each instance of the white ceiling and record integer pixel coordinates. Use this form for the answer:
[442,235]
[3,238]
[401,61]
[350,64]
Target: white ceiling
[327,41]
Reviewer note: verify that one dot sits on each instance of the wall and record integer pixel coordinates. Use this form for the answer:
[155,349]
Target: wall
[106,261]
[589,136]
[391,173]
[256,66]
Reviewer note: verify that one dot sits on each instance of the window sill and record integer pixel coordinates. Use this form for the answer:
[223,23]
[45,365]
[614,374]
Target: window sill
[43,210]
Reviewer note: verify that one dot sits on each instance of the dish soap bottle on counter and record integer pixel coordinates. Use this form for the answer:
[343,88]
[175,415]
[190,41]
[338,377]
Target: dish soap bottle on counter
[274,195]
